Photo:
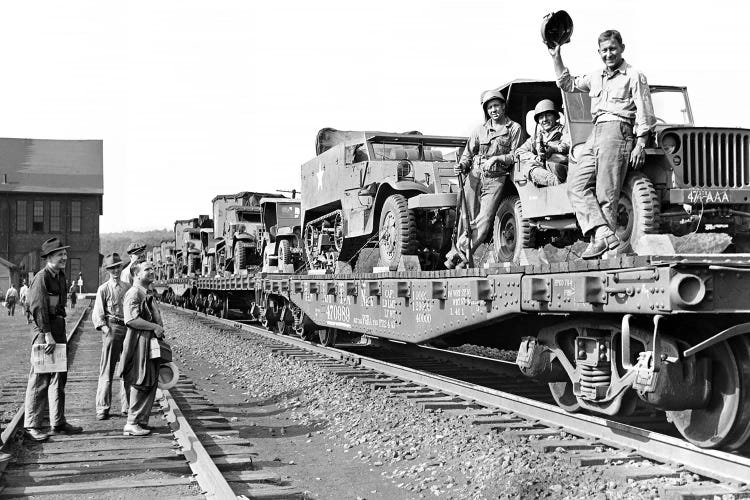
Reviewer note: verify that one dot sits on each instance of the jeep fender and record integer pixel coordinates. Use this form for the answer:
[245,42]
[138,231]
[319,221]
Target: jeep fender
[388,187]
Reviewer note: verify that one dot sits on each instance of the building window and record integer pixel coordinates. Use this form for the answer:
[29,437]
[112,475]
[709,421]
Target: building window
[54,216]
[21,215]
[75,216]
[75,270]
[37,223]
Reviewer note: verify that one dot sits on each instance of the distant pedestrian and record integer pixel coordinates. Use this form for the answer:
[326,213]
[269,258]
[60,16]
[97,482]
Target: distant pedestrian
[46,298]
[23,294]
[137,253]
[108,317]
[11,297]
[143,320]
[73,296]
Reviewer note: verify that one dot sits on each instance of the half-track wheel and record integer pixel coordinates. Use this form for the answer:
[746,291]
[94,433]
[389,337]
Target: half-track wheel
[398,231]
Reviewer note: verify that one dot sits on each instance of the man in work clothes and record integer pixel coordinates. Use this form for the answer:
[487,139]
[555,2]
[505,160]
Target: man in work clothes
[622,112]
[486,161]
[46,300]
[139,371]
[23,293]
[137,253]
[107,316]
[11,297]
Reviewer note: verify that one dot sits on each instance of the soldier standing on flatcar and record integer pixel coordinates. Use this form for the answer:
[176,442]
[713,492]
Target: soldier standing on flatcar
[108,317]
[137,253]
[486,161]
[620,105]
[46,300]
[138,370]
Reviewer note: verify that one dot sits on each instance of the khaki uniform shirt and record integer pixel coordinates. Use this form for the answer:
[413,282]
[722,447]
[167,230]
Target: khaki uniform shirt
[490,140]
[622,95]
[108,302]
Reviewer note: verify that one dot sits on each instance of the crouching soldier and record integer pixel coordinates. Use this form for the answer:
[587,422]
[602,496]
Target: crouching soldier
[544,157]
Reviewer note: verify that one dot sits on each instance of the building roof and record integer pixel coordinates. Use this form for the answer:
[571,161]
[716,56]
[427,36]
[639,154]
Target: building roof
[7,264]
[51,166]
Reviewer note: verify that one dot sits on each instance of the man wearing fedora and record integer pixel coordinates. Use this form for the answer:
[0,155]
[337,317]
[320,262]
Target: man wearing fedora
[46,302]
[137,253]
[108,317]
[138,370]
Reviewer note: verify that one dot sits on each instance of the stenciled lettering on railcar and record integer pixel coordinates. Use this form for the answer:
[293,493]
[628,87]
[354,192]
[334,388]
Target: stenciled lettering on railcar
[424,318]
[339,313]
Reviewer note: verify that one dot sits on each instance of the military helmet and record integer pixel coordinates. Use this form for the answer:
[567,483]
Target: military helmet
[557,28]
[488,95]
[544,106]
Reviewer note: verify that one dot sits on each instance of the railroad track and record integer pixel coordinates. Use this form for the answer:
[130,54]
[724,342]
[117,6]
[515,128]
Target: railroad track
[631,448]
[192,451]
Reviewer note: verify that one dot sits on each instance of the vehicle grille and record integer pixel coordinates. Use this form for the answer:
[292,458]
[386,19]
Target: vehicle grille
[716,159]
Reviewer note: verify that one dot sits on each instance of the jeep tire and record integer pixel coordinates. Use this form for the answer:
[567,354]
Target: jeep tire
[511,232]
[397,231]
[637,210]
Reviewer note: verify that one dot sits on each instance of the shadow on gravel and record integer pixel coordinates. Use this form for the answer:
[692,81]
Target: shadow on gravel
[280,431]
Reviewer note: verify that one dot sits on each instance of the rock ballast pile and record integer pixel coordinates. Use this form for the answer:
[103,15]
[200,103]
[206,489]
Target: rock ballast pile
[426,453]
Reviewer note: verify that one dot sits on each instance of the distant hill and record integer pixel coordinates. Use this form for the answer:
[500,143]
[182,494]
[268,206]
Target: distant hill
[118,242]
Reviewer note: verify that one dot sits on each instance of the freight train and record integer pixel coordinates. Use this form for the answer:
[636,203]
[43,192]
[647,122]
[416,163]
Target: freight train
[361,254]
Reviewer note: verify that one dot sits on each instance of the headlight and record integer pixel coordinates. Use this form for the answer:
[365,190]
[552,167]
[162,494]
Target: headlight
[670,143]
[404,169]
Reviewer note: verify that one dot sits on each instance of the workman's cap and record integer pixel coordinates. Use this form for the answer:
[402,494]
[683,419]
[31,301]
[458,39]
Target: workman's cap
[557,28]
[51,246]
[136,247]
[168,375]
[544,106]
[112,260]
[488,95]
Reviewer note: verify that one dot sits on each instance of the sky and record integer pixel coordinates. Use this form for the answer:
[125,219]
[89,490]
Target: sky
[194,99]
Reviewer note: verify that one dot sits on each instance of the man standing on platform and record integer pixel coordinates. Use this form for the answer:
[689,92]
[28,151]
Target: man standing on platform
[24,294]
[137,253]
[11,297]
[139,371]
[46,300]
[108,317]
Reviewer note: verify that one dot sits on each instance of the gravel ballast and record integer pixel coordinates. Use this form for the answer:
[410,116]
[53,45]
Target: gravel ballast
[421,453]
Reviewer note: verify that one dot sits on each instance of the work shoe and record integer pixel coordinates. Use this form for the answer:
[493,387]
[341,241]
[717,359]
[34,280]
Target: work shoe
[66,428]
[596,249]
[134,430]
[102,416]
[612,241]
[36,435]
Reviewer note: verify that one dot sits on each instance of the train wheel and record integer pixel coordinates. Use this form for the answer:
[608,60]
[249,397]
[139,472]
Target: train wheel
[398,231]
[562,393]
[327,336]
[725,422]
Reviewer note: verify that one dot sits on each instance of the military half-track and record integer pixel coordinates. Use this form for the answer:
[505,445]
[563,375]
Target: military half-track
[694,179]
[396,192]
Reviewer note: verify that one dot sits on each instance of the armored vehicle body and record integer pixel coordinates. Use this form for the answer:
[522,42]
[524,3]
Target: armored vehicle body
[694,179]
[393,191]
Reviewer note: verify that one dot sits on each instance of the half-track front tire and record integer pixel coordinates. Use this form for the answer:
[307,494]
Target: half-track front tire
[397,231]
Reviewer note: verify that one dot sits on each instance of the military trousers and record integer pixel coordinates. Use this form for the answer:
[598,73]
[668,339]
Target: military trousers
[482,192]
[46,389]
[111,351]
[141,401]
[594,183]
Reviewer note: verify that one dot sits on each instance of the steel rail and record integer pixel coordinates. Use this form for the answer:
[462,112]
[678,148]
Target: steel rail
[717,464]
[13,426]
[212,482]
